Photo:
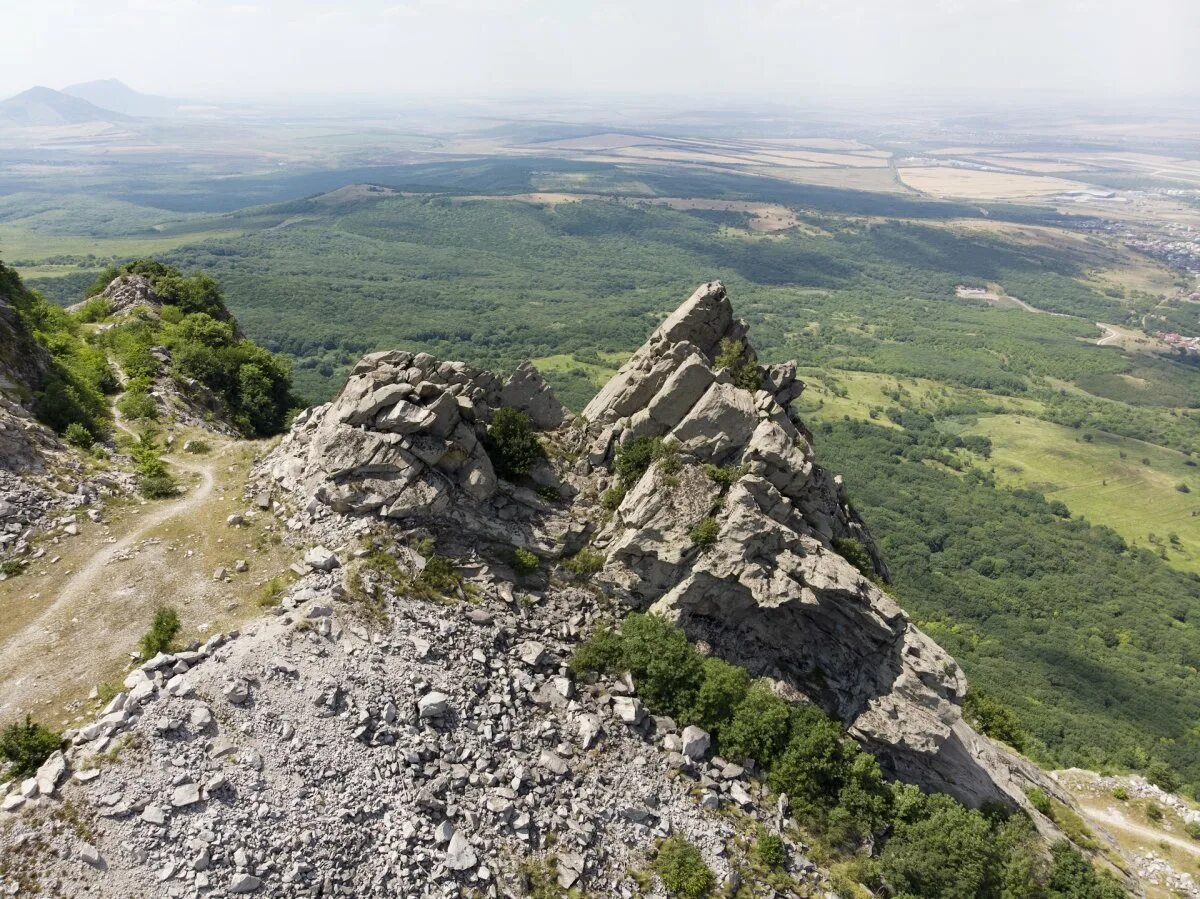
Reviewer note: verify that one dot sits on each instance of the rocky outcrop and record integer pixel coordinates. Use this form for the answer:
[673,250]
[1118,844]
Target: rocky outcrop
[126,294]
[404,441]
[767,584]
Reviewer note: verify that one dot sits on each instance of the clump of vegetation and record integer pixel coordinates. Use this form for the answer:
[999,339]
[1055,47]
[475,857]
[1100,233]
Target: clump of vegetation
[584,563]
[741,365]
[197,446]
[79,436]
[632,460]
[253,385]
[725,476]
[916,844]
[539,878]
[682,870]
[994,719]
[1154,812]
[26,746]
[524,561]
[1120,794]
[94,310]
[512,444]
[136,403]
[270,592]
[704,532]
[769,850]
[74,387]
[856,554]
[611,498]
[11,568]
[154,480]
[1192,829]
[163,631]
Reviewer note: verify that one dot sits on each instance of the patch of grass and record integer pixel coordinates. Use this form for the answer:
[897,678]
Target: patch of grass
[725,476]
[512,444]
[197,446]
[11,568]
[26,746]
[271,592]
[524,561]
[163,631]
[106,692]
[681,868]
[611,498]
[1102,479]
[740,363]
[584,563]
[768,849]
[704,532]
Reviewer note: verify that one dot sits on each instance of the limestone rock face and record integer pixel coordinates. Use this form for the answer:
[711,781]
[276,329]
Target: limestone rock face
[764,581]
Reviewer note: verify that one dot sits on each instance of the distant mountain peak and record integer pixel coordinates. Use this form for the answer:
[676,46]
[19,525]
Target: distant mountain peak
[42,105]
[114,94]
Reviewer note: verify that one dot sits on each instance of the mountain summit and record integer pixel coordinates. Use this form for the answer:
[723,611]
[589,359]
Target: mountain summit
[117,96]
[420,717]
[46,106]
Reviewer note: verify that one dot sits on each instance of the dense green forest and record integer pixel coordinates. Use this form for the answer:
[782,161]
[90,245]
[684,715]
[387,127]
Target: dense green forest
[494,282]
[1092,643]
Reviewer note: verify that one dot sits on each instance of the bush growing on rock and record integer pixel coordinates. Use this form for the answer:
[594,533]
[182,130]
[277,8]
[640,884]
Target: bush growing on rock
[632,461]
[584,563]
[611,498]
[768,849]
[741,366]
[78,436]
[682,870]
[163,631]
[512,444]
[704,532]
[524,561]
[26,746]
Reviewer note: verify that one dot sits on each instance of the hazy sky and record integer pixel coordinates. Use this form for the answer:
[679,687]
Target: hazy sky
[774,49]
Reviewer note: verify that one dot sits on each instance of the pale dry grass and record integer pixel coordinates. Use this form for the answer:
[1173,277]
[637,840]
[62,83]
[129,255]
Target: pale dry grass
[969,184]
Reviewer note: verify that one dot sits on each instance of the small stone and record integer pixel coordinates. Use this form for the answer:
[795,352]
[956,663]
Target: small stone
[629,710]
[91,856]
[241,565]
[695,742]
[433,705]
[459,855]
[153,814]
[321,559]
[185,794]
[532,653]
[244,883]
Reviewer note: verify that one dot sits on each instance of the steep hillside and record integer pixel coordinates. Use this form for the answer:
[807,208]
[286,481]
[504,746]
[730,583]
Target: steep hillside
[462,694]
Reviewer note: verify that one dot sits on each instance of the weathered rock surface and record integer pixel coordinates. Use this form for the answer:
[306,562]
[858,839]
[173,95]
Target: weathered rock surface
[435,749]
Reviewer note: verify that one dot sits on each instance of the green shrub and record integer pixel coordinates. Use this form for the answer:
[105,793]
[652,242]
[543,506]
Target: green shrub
[722,689]
[996,720]
[704,532]
[741,365]
[163,631]
[1120,794]
[945,853]
[197,446]
[768,849]
[632,461]
[94,310]
[1163,776]
[682,870]
[584,563]
[1073,877]
[1154,811]
[1192,829]
[137,404]
[725,476]
[512,444]
[78,436]
[11,568]
[856,554]
[1040,801]
[524,561]
[440,574]
[759,726]
[611,498]
[26,746]
[603,652]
